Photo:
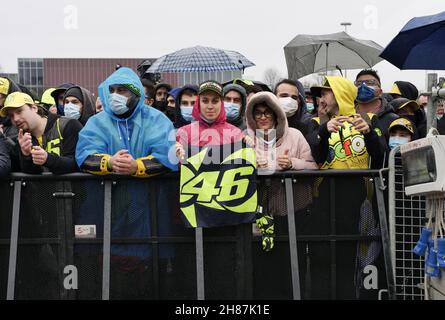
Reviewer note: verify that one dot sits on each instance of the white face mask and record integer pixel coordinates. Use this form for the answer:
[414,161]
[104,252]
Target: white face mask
[118,103]
[289,105]
[72,110]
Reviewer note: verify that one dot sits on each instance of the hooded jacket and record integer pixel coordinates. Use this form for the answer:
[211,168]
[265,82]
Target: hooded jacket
[170,112]
[148,135]
[286,138]
[58,91]
[347,148]
[238,121]
[201,133]
[179,119]
[89,108]
[144,133]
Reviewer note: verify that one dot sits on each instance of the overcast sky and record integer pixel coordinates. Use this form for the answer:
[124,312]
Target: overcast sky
[256,28]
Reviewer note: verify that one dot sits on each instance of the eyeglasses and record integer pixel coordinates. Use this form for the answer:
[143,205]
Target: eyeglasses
[259,114]
[370,82]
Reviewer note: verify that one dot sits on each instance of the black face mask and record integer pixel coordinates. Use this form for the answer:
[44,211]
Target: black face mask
[170,113]
[160,105]
[411,118]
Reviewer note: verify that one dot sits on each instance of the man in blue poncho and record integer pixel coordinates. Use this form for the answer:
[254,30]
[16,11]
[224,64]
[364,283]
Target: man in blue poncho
[128,138]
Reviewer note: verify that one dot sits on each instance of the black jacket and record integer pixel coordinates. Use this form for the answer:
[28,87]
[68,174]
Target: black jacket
[59,140]
[385,116]
[441,125]
[5,161]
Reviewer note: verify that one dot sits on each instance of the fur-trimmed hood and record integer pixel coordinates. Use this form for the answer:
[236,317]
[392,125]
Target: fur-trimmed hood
[272,102]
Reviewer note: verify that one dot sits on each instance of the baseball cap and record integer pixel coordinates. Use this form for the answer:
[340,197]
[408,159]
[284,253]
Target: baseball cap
[4,86]
[15,100]
[47,98]
[316,90]
[211,86]
[131,87]
[401,103]
[402,122]
[395,90]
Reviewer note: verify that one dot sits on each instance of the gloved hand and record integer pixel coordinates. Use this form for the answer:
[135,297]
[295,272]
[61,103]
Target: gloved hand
[267,227]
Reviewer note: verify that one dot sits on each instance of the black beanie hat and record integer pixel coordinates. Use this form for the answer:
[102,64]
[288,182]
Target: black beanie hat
[74,92]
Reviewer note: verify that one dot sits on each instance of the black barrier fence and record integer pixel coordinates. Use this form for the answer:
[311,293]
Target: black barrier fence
[79,236]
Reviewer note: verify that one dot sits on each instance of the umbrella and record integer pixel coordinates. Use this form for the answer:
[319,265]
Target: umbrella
[307,54]
[144,65]
[200,59]
[419,45]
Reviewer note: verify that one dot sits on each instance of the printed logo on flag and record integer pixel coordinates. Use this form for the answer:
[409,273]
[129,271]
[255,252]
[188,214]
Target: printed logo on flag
[216,193]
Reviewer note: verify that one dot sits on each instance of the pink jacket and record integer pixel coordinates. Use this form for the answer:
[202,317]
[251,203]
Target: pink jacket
[287,138]
[201,133]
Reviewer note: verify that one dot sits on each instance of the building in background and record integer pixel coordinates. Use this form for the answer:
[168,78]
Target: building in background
[31,74]
[38,74]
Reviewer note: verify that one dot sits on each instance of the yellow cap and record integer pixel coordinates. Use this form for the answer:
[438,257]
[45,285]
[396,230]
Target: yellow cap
[395,90]
[47,98]
[15,100]
[4,86]
[402,122]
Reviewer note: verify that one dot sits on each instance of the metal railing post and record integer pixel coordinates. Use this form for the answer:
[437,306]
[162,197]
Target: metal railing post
[14,239]
[107,242]
[296,290]
[199,264]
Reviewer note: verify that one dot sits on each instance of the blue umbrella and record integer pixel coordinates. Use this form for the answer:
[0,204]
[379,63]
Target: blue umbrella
[200,59]
[419,45]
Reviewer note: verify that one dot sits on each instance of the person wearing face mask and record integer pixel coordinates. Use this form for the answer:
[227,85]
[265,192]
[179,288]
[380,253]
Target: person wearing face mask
[58,94]
[349,141]
[109,137]
[128,138]
[311,103]
[170,112]
[291,97]
[211,121]
[235,104]
[407,109]
[160,96]
[401,131]
[78,104]
[185,100]
[370,99]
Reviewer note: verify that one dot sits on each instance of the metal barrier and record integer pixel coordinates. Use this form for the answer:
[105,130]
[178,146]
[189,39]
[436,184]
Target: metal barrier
[406,218]
[328,243]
